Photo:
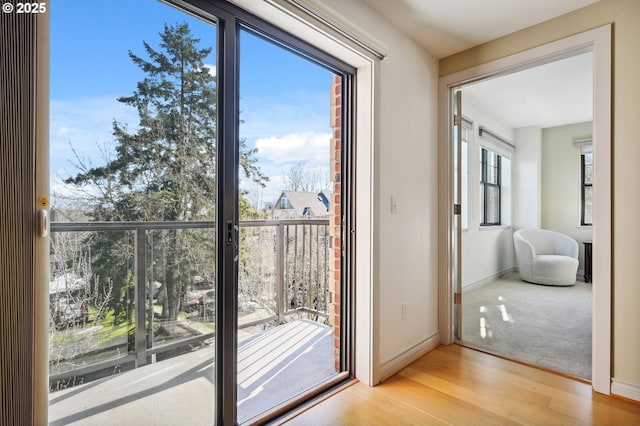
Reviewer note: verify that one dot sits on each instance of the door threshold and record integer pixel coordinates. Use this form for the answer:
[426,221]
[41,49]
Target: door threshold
[315,401]
[537,367]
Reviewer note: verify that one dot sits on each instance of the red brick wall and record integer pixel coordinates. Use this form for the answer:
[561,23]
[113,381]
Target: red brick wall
[335,228]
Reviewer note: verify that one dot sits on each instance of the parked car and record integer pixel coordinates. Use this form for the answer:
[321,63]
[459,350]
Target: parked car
[245,304]
[191,302]
[207,303]
[201,282]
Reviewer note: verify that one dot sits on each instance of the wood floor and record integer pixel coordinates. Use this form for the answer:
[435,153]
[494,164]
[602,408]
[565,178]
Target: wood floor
[453,385]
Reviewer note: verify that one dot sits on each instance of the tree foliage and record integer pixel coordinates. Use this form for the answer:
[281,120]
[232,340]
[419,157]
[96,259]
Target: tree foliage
[164,169]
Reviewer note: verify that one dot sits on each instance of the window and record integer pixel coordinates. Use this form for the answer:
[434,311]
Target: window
[467,134]
[586,184]
[284,204]
[490,185]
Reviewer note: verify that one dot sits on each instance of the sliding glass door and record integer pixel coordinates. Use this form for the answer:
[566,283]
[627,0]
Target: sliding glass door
[200,175]
[289,264]
[133,130]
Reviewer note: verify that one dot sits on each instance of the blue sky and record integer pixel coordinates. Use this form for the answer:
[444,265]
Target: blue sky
[284,98]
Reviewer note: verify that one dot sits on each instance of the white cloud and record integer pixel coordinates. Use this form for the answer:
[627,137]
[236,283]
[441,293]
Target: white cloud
[309,147]
[212,69]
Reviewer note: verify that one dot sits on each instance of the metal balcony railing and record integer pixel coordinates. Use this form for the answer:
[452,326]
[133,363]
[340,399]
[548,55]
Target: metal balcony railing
[283,271]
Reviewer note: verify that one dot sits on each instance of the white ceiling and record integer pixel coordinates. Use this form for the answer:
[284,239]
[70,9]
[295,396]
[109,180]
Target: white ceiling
[445,27]
[550,95]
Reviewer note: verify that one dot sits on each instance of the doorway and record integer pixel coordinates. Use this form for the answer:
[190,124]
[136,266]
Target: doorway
[524,135]
[565,48]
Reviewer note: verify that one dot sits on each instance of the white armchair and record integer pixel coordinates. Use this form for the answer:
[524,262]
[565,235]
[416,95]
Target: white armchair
[546,257]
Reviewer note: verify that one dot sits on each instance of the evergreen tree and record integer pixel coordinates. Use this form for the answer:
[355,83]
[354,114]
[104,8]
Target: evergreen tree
[165,169]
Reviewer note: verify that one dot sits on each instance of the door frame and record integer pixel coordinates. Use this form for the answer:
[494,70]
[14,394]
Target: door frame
[313,27]
[598,41]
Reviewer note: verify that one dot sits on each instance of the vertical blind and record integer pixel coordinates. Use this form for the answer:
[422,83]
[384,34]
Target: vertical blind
[17,165]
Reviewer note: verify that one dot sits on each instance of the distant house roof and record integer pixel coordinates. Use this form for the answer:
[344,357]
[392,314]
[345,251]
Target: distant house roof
[304,204]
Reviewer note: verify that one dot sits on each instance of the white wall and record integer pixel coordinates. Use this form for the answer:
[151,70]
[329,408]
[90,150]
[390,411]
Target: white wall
[561,182]
[407,171]
[527,178]
[486,251]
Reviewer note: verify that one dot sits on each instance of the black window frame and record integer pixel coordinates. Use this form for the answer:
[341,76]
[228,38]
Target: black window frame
[485,185]
[583,187]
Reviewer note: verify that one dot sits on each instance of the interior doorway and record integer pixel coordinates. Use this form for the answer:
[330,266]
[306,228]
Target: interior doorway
[598,42]
[523,138]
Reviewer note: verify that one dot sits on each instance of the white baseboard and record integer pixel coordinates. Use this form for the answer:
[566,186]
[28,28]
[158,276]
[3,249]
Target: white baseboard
[626,390]
[491,278]
[391,367]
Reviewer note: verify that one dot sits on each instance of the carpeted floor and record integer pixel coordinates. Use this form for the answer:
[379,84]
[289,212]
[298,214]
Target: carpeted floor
[540,325]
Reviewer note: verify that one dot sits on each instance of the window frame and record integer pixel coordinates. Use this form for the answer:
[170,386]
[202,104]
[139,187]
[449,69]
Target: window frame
[467,143]
[583,187]
[484,186]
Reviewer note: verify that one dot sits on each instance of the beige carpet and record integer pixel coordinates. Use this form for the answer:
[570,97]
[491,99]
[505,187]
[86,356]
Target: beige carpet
[546,326]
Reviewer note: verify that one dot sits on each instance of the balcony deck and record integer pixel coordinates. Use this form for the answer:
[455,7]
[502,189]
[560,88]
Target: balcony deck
[273,366]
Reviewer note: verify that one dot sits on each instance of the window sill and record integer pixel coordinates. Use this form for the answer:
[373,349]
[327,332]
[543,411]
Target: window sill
[493,227]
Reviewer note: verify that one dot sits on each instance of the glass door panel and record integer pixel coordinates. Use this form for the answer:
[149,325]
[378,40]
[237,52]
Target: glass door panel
[289,260]
[133,264]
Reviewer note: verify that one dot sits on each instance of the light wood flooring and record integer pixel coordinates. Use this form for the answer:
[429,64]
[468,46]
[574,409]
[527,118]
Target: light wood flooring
[453,385]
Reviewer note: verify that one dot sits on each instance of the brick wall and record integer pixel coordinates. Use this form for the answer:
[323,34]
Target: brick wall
[335,228]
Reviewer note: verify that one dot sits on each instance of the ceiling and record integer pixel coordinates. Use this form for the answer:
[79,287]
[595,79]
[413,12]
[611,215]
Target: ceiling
[445,27]
[549,95]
